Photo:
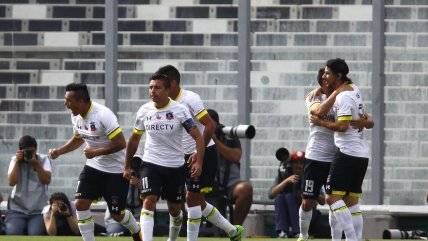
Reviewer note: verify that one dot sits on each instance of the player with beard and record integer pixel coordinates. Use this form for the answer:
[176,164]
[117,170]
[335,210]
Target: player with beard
[102,176]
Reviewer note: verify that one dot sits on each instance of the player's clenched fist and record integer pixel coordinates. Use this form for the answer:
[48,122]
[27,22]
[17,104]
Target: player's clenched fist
[53,153]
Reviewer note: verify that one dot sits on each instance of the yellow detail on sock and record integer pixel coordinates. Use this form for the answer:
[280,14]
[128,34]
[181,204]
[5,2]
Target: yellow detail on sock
[211,213]
[147,214]
[340,209]
[191,220]
[91,219]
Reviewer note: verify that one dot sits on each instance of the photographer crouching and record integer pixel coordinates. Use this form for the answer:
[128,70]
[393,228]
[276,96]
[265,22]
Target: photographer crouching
[60,216]
[228,177]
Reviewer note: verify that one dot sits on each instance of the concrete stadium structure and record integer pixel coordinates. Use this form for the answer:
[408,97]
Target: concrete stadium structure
[45,44]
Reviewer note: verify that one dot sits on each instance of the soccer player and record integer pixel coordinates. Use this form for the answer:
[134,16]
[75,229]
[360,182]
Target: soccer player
[197,206]
[164,121]
[320,152]
[102,176]
[350,164]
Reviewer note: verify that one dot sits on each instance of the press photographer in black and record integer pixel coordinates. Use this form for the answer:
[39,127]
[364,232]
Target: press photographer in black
[228,177]
[60,216]
[287,193]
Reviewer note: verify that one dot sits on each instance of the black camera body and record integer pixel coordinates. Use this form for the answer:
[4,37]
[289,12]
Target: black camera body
[62,207]
[28,155]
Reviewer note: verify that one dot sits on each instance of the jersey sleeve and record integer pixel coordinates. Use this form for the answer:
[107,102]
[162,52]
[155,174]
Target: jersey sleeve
[139,122]
[344,107]
[76,134]
[110,123]
[187,120]
[196,107]
[310,103]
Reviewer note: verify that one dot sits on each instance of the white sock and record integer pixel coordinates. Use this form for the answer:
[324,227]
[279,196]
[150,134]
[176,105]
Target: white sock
[86,224]
[175,226]
[357,220]
[304,221]
[344,217]
[214,216]
[147,222]
[194,215]
[129,222]
[336,230]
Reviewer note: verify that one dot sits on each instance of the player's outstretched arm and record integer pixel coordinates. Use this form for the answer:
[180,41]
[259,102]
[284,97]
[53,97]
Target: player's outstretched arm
[196,163]
[116,144]
[71,145]
[340,126]
[131,149]
[209,128]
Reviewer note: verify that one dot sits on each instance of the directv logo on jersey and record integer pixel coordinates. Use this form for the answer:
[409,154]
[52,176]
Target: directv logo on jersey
[93,138]
[159,127]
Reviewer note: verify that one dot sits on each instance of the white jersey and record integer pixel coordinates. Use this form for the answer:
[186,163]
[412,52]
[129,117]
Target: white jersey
[97,128]
[349,106]
[320,145]
[164,128]
[196,107]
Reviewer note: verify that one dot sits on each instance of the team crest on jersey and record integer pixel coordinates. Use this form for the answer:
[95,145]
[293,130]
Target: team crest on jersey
[169,116]
[92,125]
[158,117]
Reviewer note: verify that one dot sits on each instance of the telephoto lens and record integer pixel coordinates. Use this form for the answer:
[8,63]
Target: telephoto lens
[240,131]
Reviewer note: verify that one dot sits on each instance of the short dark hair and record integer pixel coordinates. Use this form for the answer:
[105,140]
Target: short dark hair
[171,72]
[214,115]
[27,141]
[80,91]
[166,80]
[337,66]
[319,76]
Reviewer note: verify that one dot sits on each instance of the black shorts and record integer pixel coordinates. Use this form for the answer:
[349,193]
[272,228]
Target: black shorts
[167,182]
[314,177]
[346,175]
[94,184]
[206,181]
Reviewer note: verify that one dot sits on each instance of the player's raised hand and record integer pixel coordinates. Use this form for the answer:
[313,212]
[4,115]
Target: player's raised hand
[53,153]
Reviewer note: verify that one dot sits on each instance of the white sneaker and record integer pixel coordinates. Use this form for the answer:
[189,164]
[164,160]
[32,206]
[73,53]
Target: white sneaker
[282,234]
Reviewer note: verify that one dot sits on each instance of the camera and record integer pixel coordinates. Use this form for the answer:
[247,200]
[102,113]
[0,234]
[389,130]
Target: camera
[282,154]
[240,131]
[62,207]
[28,155]
[400,234]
